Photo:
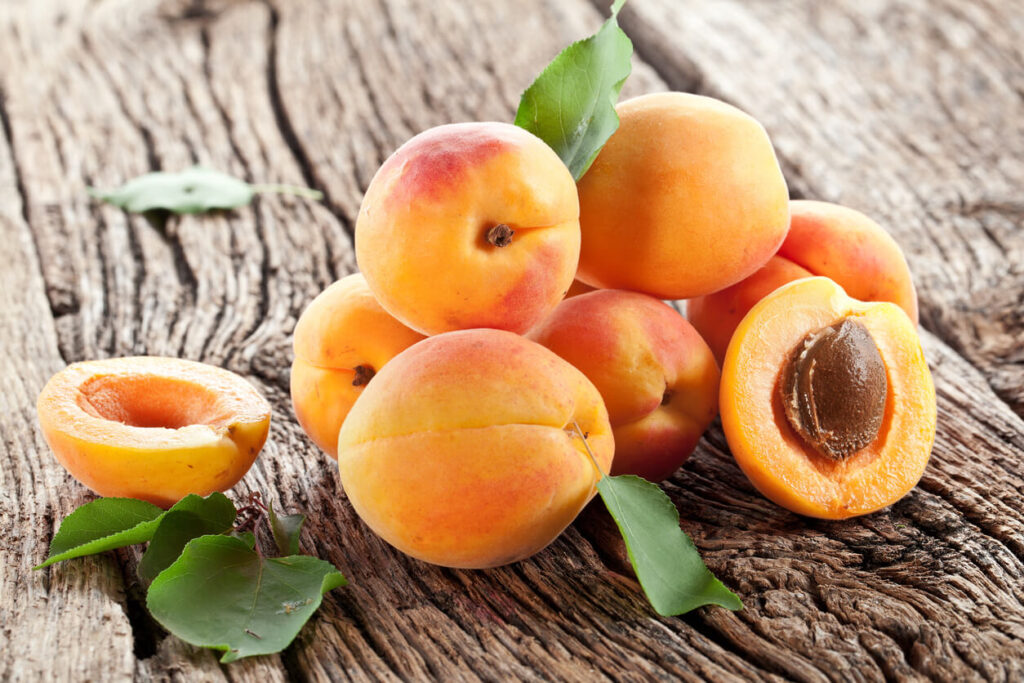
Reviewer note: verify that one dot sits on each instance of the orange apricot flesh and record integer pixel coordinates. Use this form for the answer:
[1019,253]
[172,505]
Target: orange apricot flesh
[776,459]
[153,428]
[464,450]
[341,340]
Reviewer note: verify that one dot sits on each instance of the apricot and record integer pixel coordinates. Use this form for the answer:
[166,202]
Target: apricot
[341,340]
[685,198]
[464,450]
[658,378]
[470,225]
[153,428]
[827,402]
[824,239]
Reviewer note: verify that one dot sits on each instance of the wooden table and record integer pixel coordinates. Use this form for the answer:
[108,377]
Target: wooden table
[912,111]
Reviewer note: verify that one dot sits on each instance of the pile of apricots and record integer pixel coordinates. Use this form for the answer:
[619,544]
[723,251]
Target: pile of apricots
[506,342]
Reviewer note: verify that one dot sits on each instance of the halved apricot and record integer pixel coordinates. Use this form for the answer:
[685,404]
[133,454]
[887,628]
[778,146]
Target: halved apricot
[827,402]
[153,428]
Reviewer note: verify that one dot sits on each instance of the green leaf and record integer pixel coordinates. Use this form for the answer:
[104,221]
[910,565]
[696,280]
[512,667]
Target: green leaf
[102,525]
[666,562]
[196,190]
[221,594]
[195,517]
[571,105]
[286,529]
[109,523]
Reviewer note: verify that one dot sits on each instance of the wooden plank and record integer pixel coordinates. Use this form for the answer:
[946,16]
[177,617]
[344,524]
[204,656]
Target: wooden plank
[42,614]
[310,92]
[910,111]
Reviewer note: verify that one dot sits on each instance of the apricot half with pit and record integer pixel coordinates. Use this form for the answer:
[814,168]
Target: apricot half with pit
[827,402]
[153,428]
[467,449]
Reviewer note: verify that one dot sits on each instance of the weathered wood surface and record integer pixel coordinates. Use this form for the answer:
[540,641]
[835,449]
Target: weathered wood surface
[911,111]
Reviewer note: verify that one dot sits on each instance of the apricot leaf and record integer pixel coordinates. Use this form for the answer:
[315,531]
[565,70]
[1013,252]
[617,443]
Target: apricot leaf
[102,525]
[286,529]
[195,517]
[665,560]
[109,523]
[195,190]
[571,105]
[222,594]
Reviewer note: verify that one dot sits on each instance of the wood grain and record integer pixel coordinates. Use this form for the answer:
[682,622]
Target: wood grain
[319,93]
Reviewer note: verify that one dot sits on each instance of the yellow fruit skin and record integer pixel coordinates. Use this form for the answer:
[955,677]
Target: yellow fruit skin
[462,451]
[686,198]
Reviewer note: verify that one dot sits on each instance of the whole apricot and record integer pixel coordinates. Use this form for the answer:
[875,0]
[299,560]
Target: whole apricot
[341,340]
[656,375]
[467,449]
[470,225]
[685,198]
[153,428]
[827,402]
[824,239]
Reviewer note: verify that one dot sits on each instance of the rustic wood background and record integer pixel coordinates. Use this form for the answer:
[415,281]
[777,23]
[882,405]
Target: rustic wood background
[911,110]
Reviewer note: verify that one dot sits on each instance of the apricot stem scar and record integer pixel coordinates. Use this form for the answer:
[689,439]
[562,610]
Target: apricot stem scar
[364,373]
[586,445]
[500,235]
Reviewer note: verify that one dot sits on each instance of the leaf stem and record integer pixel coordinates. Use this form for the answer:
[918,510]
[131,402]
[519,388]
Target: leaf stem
[576,426]
[307,192]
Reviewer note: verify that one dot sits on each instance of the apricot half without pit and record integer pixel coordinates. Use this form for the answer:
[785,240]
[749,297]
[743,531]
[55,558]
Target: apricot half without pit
[827,402]
[152,428]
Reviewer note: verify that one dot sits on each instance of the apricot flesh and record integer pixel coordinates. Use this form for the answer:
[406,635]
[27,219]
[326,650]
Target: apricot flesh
[153,428]
[684,199]
[658,378]
[463,451]
[470,225]
[341,340]
[824,239]
[776,459]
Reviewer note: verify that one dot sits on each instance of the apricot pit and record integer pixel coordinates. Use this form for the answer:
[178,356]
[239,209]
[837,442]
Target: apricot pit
[834,389]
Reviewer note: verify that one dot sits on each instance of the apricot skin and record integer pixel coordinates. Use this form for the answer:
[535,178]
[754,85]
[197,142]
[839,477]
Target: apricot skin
[686,198]
[824,239]
[152,428]
[462,451]
[774,458]
[658,378]
[421,233]
[342,329]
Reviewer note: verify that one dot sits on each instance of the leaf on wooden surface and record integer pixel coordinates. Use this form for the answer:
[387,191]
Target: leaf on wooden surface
[212,515]
[571,105]
[109,523]
[102,525]
[286,530]
[667,564]
[222,594]
[195,190]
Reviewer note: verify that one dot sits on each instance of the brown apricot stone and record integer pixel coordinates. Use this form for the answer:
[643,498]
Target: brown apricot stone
[833,389]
